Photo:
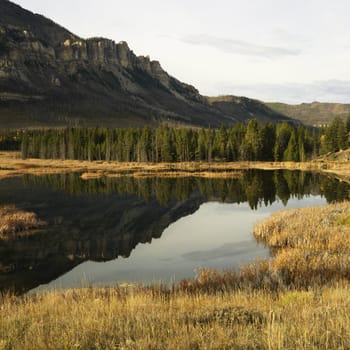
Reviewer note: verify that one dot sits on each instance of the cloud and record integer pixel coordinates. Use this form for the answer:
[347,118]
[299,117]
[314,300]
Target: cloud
[227,250]
[239,47]
[322,91]
[340,88]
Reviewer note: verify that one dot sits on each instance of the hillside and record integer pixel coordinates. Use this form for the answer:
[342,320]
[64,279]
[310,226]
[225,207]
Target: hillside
[51,77]
[315,113]
[246,108]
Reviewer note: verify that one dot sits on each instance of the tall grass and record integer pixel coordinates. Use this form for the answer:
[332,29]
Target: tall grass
[15,222]
[155,318]
[310,245]
[298,300]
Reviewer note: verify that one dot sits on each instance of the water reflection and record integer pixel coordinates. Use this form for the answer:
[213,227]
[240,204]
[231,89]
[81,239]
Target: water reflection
[253,186]
[101,219]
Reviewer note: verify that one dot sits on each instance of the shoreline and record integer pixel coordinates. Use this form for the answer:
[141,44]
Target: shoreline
[285,304]
[12,165]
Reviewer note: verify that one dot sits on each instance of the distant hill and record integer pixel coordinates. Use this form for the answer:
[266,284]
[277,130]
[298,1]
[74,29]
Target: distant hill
[51,77]
[315,113]
[245,108]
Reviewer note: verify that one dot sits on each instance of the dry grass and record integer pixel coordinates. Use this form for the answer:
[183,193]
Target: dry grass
[16,223]
[157,318]
[12,165]
[310,245]
[283,304]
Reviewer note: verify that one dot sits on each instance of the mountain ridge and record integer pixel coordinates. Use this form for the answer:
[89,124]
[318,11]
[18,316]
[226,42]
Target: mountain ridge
[51,77]
[314,113]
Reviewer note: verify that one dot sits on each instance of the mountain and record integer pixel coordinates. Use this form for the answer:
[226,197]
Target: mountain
[244,108]
[315,113]
[51,77]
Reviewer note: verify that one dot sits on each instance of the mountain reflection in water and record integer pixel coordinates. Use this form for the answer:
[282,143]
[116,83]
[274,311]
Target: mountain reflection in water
[102,219]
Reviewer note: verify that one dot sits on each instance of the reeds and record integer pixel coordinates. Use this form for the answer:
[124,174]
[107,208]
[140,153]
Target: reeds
[16,223]
[310,245]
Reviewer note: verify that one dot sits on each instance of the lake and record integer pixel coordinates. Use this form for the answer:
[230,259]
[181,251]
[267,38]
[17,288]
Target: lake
[110,231]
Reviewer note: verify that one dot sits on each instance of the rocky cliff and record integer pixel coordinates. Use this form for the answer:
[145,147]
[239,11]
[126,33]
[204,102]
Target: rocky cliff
[49,76]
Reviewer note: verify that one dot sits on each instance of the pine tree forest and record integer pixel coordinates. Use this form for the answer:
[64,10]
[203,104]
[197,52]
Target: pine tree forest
[241,142]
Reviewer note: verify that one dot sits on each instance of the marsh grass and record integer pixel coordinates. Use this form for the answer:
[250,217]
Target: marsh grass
[298,300]
[16,223]
[310,245]
[11,165]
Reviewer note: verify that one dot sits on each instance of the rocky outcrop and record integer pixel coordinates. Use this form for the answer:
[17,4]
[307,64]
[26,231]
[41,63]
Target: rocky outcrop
[88,82]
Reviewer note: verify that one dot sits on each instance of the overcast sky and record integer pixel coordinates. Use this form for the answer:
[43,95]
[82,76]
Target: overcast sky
[275,50]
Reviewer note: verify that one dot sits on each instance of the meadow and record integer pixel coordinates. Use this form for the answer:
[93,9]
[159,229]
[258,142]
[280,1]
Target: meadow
[156,318]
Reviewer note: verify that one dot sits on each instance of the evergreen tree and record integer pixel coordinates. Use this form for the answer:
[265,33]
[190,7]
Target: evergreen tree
[252,143]
[168,144]
[283,133]
[267,137]
[335,136]
[347,124]
[291,153]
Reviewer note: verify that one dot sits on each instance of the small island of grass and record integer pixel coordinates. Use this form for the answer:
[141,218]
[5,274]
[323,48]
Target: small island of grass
[16,223]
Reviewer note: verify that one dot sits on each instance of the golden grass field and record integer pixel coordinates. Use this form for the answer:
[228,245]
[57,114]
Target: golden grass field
[12,165]
[310,245]
[298,300]
[152,318]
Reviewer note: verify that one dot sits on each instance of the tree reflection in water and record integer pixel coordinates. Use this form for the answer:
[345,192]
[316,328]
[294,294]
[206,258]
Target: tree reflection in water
[101,219]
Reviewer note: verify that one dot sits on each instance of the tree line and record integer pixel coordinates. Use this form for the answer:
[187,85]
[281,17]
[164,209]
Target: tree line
[254,186]
[335,136]
[252,141]
[10,140]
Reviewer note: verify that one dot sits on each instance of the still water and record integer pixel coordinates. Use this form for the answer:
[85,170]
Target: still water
[126,230]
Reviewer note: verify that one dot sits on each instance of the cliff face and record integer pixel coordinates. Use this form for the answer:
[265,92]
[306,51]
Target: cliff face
[49,76]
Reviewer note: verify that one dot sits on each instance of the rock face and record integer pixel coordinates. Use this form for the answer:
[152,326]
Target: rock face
[49,76]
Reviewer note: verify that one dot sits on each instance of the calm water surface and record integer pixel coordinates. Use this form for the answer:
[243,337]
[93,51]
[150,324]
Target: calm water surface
[217,235]
[108,231]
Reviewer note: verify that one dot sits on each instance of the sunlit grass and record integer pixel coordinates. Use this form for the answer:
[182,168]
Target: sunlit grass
[11,165]
[15,222]
[300,299]
[310,245]
[344,220]
[158,318]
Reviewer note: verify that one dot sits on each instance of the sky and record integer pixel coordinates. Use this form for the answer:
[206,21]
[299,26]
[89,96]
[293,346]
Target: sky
[289,51]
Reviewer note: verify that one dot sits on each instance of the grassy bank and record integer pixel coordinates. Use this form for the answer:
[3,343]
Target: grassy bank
[310,245]
[299,300]
[12,165]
